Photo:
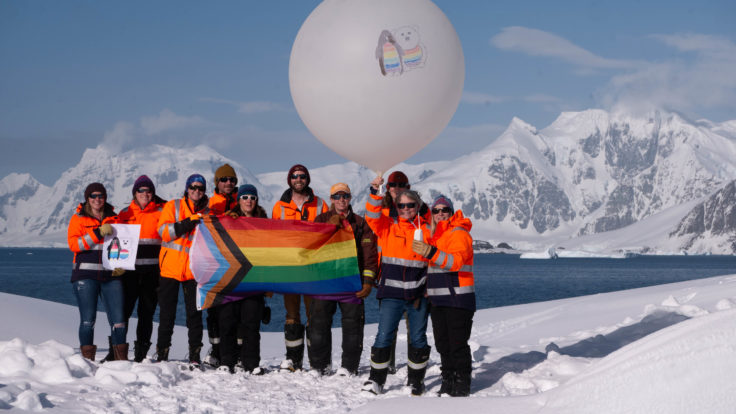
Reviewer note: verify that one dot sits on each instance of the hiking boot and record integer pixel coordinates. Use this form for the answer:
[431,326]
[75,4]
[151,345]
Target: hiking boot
[162,354]
[110,354]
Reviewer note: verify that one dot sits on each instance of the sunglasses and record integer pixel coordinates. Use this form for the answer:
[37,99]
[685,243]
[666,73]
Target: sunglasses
[196,188]
[400,185]
[143,190]
[96,196]
[338,196]
[441,210]
[228,180]
[300,176]
[248,197]
[402,206]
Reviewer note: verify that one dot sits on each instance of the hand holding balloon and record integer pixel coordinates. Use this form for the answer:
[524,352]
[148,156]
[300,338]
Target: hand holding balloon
[377,183]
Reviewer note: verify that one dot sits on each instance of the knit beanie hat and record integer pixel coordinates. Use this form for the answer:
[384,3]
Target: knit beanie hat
[441,199]
[398,177]
[297,167]
[225,170]
[94,188]
[196,178]
[144,181]
[249,189]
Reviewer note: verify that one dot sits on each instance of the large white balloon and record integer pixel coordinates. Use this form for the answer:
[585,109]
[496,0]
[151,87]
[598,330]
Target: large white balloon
[376,80]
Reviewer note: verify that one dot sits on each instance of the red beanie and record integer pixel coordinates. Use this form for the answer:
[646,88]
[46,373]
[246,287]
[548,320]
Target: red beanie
[297,167]
[398,177]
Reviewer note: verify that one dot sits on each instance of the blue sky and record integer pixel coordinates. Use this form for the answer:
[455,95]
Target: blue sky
[75,73]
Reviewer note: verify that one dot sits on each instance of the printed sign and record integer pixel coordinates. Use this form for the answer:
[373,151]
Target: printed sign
[120,248]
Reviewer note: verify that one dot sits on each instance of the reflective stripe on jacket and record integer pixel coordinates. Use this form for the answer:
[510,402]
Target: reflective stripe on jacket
[403,273]
[83,236]
[149,244]
[286,208]
[450,275]
[174,256]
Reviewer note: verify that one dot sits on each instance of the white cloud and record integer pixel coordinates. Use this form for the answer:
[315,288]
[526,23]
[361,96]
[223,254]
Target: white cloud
[121,135]
[536,42]
[250,107]
[167,120]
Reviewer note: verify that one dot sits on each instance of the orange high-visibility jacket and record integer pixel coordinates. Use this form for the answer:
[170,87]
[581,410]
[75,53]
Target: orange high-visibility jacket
[149,243]
[83,236]
[286,208]
[221,203]
[403,273]
[174,256]
[450,274]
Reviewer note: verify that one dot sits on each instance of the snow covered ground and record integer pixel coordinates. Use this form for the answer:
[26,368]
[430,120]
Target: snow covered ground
[662,349]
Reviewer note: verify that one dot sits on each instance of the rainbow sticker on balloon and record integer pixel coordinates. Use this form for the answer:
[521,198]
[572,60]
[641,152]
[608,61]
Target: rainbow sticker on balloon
[400,50]
[116,250]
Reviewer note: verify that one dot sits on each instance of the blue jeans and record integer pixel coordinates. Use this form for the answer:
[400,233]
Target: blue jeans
[87,291]
[390,312]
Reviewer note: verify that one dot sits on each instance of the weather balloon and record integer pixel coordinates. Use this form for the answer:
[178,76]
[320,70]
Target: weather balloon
[376,80]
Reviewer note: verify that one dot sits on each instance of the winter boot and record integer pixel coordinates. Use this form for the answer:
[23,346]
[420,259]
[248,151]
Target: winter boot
[448,381]
[120,351]
[418,361]
[213,357]
[379,370]
[294,338]
[461,387]
[162,354]
[88,351]
[141,350]
[110,354]
[195,362]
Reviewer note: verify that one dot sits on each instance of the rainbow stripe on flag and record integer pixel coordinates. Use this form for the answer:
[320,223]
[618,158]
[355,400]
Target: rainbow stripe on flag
[233,258]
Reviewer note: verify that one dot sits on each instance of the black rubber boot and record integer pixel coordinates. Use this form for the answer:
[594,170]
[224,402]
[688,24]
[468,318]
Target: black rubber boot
[110,353]
[379,370]
[418,361]
[141,350]
[448,382]
[162,354]
[461,387]
[294,337]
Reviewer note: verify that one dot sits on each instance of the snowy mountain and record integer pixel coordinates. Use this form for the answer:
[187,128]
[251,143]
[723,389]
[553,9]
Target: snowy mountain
[711,225]
[35,215]
[587,175]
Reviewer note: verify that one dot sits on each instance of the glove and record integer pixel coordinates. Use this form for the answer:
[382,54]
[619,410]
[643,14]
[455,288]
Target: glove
[105,230]
[365,292]
[423,249]
[186,225]
[336,221]
[268,294]
[118,271]
[232,214]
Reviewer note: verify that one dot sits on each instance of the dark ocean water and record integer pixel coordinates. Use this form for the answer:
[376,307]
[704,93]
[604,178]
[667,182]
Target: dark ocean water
[501,280]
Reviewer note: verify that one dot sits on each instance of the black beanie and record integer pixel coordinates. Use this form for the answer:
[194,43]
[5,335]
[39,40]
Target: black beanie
[94,188]
[144,181]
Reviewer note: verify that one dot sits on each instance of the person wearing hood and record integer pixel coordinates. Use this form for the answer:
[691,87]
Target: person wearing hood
[140,285]
[224,199]
[350,303]
[297,203]
[176,226]
[451,291]
[401,286]
[86,235]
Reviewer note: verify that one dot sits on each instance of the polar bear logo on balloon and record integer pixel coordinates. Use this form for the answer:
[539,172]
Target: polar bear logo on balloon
[400,50]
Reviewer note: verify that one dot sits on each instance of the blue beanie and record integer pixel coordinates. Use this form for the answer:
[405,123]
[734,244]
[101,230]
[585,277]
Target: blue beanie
[442,199]
[196,178]
[247,189]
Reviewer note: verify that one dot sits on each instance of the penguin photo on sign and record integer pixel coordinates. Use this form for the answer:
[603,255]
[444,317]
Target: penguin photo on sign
[113,250]
[389,54]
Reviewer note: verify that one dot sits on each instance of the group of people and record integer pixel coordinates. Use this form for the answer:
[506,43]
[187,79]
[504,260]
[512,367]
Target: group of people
[419,258]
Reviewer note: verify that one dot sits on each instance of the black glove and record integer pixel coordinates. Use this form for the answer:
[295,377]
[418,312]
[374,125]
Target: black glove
[185,226]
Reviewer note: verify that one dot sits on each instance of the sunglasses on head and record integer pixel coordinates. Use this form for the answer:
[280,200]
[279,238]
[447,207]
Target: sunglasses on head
[97,195]
[300,176]
[248,197]
[228,180]
[344,196]
[196,188]
[143,190]
[400,185]
[441,210]
[402,206]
